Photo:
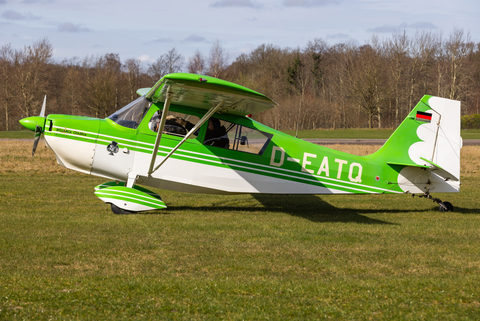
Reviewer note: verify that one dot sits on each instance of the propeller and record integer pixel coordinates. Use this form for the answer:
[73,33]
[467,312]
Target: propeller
[38,129]
[42,112]
[36,124]
[38,133]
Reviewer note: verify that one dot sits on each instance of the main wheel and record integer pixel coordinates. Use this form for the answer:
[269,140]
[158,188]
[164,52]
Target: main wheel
[120,211]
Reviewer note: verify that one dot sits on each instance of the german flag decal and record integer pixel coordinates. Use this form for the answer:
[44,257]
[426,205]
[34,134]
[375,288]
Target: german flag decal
[421,116]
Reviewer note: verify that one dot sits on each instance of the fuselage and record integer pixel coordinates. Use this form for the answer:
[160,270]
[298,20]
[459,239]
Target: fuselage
[266,162]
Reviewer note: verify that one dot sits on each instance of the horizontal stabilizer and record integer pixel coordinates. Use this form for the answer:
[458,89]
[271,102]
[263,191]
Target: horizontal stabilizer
[408,164]
[440,171]
[430,166]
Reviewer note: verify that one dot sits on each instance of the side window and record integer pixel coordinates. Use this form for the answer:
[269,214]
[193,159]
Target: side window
[176,124]
[233,136]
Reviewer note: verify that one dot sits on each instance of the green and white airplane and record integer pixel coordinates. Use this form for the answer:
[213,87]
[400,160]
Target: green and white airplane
[192,133]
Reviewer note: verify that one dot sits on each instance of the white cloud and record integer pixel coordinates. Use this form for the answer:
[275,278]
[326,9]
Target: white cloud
[419,25]
[383,29]
[246,48]
[194,39]
[160,40]
[70,27]
[37,1]
[391,28]
[309,3]
[146,58]
[236,3]
[15,15]
[338,36]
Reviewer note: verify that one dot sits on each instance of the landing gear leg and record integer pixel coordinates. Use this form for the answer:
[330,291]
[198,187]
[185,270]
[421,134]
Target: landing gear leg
[442,206]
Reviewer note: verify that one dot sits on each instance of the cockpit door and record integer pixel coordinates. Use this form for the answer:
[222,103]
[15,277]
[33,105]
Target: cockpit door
[117,141]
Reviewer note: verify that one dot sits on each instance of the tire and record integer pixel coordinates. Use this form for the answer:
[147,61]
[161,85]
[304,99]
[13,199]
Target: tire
[449,206]
[119,211]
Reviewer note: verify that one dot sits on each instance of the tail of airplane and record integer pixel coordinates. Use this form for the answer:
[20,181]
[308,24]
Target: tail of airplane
[427,142]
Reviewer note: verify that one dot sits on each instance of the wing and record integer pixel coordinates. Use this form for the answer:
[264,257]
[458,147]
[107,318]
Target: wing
[204,92]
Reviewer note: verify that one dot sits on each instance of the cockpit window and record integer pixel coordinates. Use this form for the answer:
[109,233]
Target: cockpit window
[233,136]
[176,124]
[132,114]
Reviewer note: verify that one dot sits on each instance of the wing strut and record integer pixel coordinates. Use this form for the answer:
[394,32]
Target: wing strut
[166,106]
[193,130]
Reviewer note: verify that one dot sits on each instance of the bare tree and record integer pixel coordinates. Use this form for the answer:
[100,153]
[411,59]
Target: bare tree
[422,51]
[297,77]
[174,61]
[72,87]
[6,66]
[316,50]
[132,71]
[475,89]
[458,48]
[30,77]
[396,51]
[196,63]
[100,85]
[167,63]
[158,69]
[339,71]
[217,60]
[366,81]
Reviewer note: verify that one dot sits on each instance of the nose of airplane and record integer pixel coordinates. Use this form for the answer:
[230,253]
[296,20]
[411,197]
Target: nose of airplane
[36,124]
[32,122]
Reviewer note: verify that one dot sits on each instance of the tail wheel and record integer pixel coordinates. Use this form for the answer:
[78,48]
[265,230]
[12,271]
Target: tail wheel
[449,206]
[445,207]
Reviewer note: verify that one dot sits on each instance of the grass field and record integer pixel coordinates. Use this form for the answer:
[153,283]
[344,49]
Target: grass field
[319,133]
[64,255]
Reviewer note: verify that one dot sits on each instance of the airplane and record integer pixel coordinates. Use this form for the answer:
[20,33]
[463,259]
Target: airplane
[194,133]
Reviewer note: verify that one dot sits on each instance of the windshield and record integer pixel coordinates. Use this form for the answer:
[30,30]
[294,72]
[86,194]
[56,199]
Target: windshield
[131,115]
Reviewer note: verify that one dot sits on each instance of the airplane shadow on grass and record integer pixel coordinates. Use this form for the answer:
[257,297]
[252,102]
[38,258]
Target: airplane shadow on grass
[309,207]
[315,209]
[463,210]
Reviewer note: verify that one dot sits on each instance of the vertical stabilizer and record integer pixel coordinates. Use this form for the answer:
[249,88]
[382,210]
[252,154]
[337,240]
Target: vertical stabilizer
[425,148]
[441,140]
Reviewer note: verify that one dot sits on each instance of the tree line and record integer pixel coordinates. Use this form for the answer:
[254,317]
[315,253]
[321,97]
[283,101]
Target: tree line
[318,86]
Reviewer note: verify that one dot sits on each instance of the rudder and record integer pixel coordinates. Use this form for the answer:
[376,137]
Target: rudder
[428,139]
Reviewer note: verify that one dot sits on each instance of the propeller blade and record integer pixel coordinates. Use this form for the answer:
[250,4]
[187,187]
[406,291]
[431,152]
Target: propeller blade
[39,129]
[42,112]
[38,133]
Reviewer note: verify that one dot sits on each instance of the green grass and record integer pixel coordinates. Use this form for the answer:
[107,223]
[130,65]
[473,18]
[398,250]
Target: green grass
[471,134]
[17,134]
[64,255]
[320,133]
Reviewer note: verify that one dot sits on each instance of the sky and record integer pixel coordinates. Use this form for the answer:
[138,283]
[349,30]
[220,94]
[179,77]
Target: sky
[147,29]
